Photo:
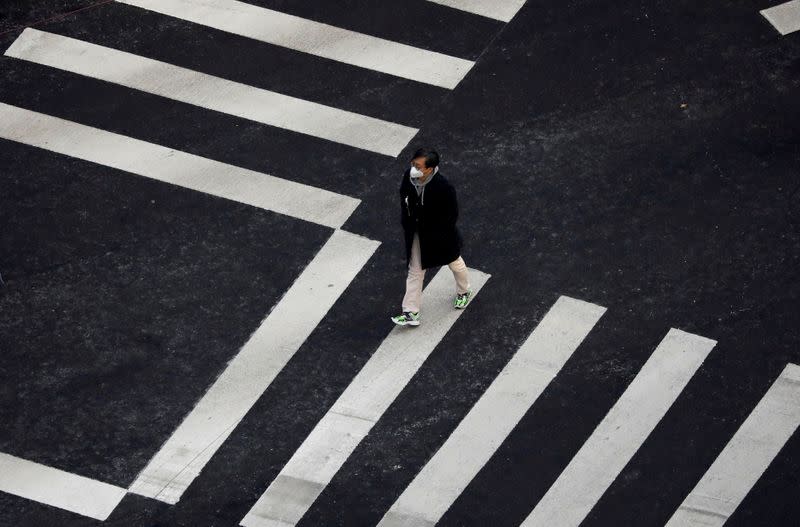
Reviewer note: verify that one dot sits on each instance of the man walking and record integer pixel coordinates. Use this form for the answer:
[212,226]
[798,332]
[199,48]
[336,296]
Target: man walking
[429,213]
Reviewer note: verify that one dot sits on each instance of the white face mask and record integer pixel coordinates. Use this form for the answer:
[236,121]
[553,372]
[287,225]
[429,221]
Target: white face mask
[415,173]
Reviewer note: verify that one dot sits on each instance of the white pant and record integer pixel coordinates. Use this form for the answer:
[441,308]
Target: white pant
[416,275]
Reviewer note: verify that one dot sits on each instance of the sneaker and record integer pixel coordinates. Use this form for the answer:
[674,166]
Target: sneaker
[462,300]
[407,319]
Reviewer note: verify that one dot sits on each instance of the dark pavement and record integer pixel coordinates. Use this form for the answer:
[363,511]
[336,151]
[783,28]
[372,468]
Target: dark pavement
[643,156]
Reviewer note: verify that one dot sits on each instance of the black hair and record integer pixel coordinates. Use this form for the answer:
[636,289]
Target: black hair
[431,157]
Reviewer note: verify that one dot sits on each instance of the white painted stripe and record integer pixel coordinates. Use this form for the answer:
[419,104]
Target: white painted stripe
[57,488]
[315,38]
[175,167]
[367,397]
[745,458]
[249,374]
[495,414]
[213,93]
[785,17]
[503,10]
[626,426]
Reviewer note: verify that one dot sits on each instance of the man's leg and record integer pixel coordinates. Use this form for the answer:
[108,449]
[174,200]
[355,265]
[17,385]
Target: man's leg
[463,292]
[461,275]
[412,301]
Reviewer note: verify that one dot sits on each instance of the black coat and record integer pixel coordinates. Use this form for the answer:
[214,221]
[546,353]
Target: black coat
[433,217]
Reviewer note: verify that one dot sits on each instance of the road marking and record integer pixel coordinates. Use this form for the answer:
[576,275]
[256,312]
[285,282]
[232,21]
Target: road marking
[503,10]
[626,426]
[51,486]
[249,374]
[353,415]
[785,17]
[175,167]
[315,38]
[213,93]
[745,458]
[495,414]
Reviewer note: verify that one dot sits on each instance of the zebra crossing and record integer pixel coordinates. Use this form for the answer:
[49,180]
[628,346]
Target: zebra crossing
[301,481]
[616,439]
[248,375]
[350,419]
[204,430]
[745,458]
[499,409]
[578,488]
[177,83]
[178,168]
[323,40]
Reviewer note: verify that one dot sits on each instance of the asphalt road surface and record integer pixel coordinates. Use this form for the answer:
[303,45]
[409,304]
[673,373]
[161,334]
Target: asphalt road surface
[200,250]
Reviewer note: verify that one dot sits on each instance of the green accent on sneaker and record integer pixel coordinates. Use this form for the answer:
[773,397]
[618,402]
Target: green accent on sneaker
[462,300]
[407,319]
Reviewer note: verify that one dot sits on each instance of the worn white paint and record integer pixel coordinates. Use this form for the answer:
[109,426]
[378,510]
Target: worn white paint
[213,93]
[318,39]
[495,415]
[176,167]
[78,494]
[253,369]
[364,401]
[784,17]
[620,434]
[503,10]
[746,456]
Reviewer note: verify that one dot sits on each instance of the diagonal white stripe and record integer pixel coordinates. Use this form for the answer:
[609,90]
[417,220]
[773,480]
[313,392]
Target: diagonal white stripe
[172,166]
[249,374]
[58,488]
[503,10]
[495,414]
[315,38]
[213,93]
[784,17]
[361,405]
[745,458]
[620,434]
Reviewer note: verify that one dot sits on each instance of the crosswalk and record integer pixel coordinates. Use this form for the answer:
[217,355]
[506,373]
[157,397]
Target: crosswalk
[505,402]
[352,416]
[617,438]
[557,336]
[210,92]
[203,431]
[745,458]
[333,442]
[178,168]
[249,374]
[323,40]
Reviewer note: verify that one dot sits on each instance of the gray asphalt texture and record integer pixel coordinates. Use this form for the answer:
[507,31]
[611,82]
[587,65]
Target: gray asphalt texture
[640,155]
